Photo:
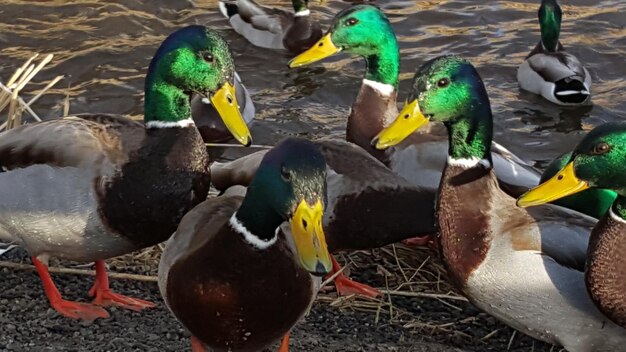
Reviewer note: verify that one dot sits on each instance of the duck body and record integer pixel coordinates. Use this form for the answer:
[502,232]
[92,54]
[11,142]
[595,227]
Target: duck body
[90,187]
[557,76]
[596,164]
[228,294]
[76,203]
[509,262]
[273,28]
[368,204]
[514,264]
[234,273]
[549,70]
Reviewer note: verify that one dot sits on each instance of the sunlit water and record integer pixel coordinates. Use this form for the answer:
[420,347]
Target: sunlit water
[104,48]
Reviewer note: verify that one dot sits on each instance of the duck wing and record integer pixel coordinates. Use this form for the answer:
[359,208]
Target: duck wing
[262,26]
[555,66]
[98,142]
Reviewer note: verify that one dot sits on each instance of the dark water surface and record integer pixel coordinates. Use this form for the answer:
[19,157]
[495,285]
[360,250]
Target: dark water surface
[104,47]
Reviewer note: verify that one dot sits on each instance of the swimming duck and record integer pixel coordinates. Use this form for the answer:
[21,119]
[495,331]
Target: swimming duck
[236,278]
[593,202]
[208,120]
[524,267]
[549,70]
[597,162]
[364,30]
[273,28]
[92,187]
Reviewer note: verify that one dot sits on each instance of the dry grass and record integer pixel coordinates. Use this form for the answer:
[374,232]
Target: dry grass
[11,90]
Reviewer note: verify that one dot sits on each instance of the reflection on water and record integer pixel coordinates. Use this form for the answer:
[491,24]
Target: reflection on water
[105,47]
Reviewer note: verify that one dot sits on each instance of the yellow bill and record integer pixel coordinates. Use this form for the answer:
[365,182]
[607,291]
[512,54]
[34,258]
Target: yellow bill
[225,102]
[408,121]
[561,185]
[308,235]
[320,50]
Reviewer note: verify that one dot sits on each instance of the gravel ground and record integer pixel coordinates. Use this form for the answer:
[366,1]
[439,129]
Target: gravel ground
[393,324]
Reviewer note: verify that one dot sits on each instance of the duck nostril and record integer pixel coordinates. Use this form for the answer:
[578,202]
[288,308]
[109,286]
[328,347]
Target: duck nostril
[229,98]
[320,45]
[304,223]
[406,116]
[560,177]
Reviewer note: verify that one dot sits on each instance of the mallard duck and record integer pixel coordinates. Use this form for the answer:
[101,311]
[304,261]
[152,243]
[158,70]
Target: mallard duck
[208,120]
[597,162]
[234,277]
[273,28]
[593,202]
[364,30]
[549,70]
[92,187]
[524,267]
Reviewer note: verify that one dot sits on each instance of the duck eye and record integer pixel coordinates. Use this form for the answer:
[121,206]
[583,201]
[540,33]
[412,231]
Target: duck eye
[208,57]
[351,21]
[601,148]
[285,174]
[443,82]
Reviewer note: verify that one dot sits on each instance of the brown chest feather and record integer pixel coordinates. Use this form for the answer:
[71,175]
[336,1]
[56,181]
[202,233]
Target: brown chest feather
[232,296]
[369,113]
[463,222]
[163,179]
[606,268]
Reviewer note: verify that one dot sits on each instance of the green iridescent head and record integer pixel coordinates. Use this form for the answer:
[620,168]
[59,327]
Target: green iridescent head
[593,202]
[290,185]
[362,30]
[193,60]
[446,89]
[550,22]
[598,161]
[600,157]
[300,5]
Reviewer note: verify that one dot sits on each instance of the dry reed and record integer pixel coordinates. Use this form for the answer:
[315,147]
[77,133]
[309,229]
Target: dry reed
[10,92]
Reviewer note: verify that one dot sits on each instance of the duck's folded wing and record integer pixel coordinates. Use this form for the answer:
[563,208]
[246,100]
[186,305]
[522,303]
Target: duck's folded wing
[262,18]
[515,176]
[564,234]
[553,67]
[70,141]
[236,172]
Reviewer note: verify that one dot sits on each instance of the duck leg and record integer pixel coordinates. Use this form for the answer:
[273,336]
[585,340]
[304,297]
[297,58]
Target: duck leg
[284,343]
[345,286]
[105,297]
[428,241]
[75,310]
[196,345]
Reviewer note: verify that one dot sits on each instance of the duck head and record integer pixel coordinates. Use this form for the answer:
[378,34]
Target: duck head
[596,162]
[290,185]
[362,30]
[447,89]
[197,60]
